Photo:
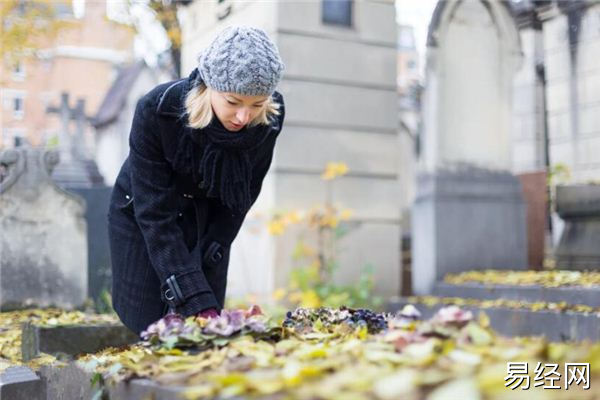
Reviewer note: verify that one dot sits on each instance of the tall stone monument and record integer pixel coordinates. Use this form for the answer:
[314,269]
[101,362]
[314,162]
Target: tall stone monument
[78,173]
[76,168]
[469,211]
[43,238]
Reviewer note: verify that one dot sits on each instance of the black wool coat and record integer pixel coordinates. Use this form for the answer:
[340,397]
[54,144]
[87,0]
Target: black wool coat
[162,224]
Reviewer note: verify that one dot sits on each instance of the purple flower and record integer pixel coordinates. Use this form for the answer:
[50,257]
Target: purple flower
[170,324]
[256,325]
[254,310]
[236,319]
[220,326]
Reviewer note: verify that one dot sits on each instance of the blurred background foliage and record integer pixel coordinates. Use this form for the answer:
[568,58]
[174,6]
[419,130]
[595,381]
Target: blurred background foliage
[319,231]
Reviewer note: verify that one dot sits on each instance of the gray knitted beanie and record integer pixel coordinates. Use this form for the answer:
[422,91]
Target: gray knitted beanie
[241,60]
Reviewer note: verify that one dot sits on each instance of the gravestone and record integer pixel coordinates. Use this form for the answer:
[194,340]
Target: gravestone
[72,340]
[553,325]
[75,382]
[20,383]
[579,246]
[99,270]
[469,211]
[43,238]
[76,168]
[78,173]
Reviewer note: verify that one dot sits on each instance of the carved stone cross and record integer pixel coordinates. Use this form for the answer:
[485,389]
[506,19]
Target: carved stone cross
[77,168]
[70,145]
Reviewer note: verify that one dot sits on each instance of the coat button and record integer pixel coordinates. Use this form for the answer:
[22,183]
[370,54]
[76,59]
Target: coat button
[217,256]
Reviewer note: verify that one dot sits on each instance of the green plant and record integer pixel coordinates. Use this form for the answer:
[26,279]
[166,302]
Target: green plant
[311,281]
[559,174]
[103,305]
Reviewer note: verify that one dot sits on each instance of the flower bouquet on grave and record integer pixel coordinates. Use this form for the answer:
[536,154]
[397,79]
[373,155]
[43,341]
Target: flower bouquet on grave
[200,333]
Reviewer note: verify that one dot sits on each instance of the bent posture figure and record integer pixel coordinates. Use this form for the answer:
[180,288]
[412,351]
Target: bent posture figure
[200,148]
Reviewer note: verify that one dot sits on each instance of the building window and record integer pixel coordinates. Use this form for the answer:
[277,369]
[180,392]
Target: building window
[12,137]
[18,108]
[337,12]
[18,72]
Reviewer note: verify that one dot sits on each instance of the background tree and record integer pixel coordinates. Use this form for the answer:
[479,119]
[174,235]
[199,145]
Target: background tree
[27,25]
[165,12]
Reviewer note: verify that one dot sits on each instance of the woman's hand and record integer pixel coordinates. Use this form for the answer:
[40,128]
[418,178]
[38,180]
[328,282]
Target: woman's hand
[208,313]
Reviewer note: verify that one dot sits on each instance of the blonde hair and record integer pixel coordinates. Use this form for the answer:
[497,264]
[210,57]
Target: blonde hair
[200,113]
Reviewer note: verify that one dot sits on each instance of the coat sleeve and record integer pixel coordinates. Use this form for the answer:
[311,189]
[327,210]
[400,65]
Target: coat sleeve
[226,224]
[154,199]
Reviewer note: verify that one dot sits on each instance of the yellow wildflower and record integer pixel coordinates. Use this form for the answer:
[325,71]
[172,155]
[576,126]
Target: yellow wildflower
[346,214]
[334,169]
[295,297]
[293,217]
[279,294]
[310,299]
[276,227]
[329,221]
[341,169]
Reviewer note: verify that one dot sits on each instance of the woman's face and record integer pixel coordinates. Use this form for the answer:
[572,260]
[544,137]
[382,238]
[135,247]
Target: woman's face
[235,110]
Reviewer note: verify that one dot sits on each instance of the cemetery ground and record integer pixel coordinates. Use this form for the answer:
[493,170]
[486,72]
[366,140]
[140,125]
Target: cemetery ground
[434,347]
[480,334]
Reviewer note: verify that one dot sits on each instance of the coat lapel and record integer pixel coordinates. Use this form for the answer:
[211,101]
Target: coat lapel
[170,103]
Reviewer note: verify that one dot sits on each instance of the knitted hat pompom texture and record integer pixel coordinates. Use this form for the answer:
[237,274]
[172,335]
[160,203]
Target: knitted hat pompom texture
[241,60]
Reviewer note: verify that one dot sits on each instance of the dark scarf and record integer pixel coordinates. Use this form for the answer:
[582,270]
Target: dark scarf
[225,167]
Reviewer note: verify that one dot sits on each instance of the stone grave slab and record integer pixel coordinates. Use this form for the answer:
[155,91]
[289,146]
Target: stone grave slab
[66,382]
[75,382]
[73,340]
[555,326]
[571,295]
[20,383]
[143,389]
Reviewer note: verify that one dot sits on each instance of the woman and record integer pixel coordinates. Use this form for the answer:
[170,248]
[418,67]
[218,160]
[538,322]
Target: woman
[200,148]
